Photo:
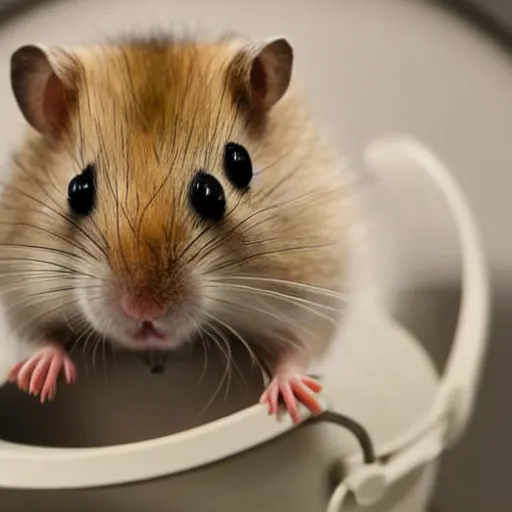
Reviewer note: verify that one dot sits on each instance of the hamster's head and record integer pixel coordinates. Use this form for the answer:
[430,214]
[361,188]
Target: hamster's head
[159,174]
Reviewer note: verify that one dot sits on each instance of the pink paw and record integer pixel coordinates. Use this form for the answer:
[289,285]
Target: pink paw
[38,375]
[293,388]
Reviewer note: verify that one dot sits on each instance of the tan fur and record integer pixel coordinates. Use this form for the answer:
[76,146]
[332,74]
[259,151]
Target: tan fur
[149,115]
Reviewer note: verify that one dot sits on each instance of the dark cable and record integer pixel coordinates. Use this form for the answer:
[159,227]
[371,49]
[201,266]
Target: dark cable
[358,430]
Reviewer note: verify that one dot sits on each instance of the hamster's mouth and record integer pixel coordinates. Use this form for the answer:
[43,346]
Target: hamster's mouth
[148,335]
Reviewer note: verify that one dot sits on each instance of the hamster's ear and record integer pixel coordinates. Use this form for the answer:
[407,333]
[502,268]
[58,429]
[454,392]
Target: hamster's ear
[41,83]
[266,70]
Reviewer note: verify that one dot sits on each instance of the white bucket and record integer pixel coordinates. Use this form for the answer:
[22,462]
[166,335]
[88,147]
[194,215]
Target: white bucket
[241,459]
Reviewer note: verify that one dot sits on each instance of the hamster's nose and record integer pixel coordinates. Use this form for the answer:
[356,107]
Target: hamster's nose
[142,306]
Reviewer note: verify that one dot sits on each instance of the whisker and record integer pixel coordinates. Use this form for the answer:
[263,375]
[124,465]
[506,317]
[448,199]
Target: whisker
[211,335]
[228,354]
[302,303]
[41,314]
[273,294]
[91,336]
[66,320]
[60,215]
[71,242]
[64,301]
[41,248]
[18,286]
[64,289]
[250,257]
[213,244]
[270,280]
[86,329]
[94,350]
[254,359]
[281,320]
[37,271]
[50,263]
[203,344]
[203,232]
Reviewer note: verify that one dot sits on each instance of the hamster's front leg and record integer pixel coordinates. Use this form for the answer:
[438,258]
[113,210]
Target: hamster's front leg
[38,374]
[291,385]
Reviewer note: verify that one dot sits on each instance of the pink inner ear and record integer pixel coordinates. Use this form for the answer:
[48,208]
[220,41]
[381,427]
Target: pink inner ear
[259,85]
[54,103]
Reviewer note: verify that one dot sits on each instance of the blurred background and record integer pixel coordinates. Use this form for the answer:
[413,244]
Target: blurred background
[440,70]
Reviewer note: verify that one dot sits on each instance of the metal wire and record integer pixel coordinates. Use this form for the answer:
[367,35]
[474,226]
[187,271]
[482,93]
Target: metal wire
[359,432]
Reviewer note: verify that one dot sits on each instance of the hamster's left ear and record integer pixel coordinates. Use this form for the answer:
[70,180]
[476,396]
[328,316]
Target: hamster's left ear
[42,85]
[265,70]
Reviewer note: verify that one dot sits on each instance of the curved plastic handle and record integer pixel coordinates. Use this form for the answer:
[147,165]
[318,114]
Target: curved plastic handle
[25,467]
[446,421]
[463,368]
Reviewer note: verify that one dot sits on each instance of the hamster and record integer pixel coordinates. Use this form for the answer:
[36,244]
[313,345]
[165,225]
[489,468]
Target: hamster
[168,188]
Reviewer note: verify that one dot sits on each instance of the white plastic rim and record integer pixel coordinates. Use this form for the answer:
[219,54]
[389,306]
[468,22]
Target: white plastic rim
[27,467]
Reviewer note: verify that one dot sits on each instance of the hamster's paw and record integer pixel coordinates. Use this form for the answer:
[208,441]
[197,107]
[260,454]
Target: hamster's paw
[38,374]
[292,388]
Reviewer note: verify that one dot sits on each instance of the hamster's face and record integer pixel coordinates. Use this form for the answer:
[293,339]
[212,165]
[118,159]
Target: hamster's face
[166,161]
[160,168]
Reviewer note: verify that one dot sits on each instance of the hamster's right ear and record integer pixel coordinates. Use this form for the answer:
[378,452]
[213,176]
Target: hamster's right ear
[42,85]
[264,71]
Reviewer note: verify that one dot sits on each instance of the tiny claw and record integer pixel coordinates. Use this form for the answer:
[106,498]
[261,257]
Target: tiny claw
[312,384]
[38,376]
[69,371]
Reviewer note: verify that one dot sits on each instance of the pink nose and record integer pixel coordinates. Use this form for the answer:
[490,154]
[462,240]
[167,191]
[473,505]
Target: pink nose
[141,307]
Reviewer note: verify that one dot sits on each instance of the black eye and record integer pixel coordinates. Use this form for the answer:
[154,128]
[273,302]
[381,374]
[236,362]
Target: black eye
[238,165]
[82,192]
[207,196]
